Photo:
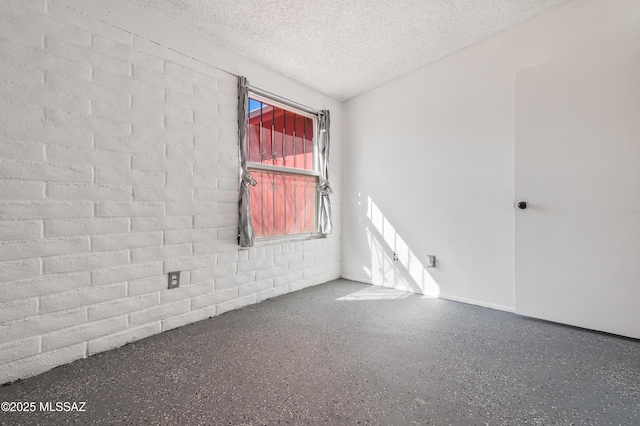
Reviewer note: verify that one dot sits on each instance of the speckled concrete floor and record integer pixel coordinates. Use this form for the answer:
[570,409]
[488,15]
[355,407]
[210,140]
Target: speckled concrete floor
[345,353]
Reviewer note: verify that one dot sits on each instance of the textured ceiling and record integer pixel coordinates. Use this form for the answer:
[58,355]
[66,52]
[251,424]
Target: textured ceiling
[346,47]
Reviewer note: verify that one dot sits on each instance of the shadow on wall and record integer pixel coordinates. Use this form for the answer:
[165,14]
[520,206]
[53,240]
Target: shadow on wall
[407,272]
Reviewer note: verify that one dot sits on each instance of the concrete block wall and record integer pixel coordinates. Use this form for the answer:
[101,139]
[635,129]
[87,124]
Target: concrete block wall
[119,164]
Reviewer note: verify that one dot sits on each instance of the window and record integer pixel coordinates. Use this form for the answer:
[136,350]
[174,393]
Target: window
[286,145]
[282,157]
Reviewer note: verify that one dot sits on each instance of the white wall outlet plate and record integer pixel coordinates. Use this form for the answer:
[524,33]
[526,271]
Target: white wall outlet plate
[174,279]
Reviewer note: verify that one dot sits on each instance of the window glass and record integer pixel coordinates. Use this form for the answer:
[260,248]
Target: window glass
[283,204]
[284,201]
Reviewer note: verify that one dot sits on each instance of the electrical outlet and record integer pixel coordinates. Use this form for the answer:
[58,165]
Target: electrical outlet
[395,256]
[174,279]
[431,261]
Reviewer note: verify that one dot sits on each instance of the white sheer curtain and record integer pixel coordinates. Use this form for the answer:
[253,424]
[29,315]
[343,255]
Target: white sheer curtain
[324,220]
[246,236]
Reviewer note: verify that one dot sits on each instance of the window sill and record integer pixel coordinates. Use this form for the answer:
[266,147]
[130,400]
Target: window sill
[274,241]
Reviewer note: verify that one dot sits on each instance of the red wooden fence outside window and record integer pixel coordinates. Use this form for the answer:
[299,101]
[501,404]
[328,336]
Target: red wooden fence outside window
[281,154]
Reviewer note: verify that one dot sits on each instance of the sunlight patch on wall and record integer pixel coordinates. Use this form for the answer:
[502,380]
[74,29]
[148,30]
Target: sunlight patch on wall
[407,272]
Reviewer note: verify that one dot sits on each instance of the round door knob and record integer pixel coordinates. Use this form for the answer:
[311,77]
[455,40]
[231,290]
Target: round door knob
[522,205]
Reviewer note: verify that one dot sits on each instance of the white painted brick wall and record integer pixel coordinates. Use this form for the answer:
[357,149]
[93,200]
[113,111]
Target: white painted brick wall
[118,164]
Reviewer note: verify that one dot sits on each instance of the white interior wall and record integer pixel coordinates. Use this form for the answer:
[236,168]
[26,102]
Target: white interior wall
[430,158]
[126,15]
[118,164]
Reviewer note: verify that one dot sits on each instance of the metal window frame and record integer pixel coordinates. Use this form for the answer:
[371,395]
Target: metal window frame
[298,108]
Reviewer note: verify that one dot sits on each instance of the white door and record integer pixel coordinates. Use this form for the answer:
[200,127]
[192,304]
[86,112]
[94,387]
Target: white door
[577,165]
